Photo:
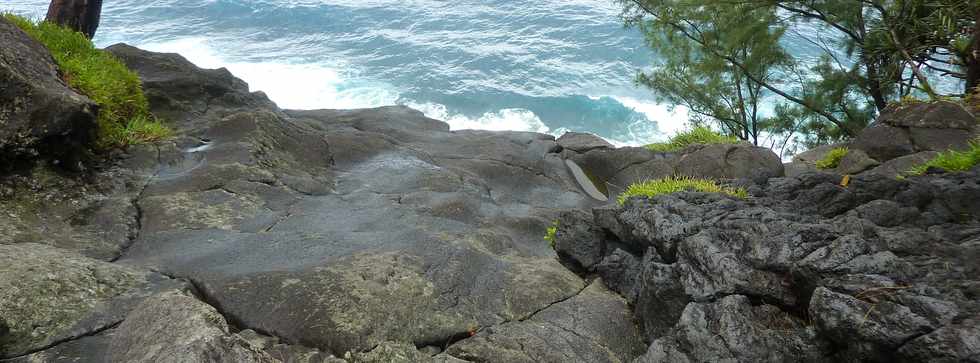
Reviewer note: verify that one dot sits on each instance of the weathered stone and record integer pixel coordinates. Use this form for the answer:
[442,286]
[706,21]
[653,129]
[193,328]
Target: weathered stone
[176,327]
[46,293]
[942,139]
[578,240]
[730,162]
[36,106]
[582,142]
[884,142]
[934,115]
[814,155]
[901,165]
[855,162]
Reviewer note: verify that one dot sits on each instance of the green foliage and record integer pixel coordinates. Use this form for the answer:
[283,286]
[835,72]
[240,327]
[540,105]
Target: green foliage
[699,135]
[552,234]
[952,160]
[124,117]
[652,188]
[833,158]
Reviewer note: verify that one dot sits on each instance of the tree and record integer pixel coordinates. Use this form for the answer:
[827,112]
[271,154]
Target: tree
[720,55]
[80,15]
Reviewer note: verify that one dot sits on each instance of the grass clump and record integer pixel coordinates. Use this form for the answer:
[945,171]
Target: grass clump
[652,188]
[124,116]
[951,161]
[699,135]
[552,234]
[833,158]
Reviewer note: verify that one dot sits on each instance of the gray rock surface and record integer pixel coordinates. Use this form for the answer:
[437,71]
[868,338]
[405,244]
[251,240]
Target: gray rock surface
[855,162]
[36,106]
[930,115]
[918,127]
[583,142]
[900,165]
[724,161]
[805,270]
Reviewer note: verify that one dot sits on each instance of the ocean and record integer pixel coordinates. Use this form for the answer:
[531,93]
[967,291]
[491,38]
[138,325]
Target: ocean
[547,66]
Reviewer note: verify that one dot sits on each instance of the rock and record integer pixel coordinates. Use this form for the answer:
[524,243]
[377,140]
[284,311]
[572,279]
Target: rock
[855,162]
[942,139]
[582,142]
[79,15]
[733,330]
[959,343]
[886,213]
[884,142]
[798,168]
[593,326]
[175,327]
[37,108]
[46,295]
[578,241]
[816,154]
[930,115]
[900,165]
[724,161]
[614,169]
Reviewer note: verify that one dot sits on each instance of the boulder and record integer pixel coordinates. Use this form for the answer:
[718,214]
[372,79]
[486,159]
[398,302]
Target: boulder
[855,162]
[581,142]
[898,166]
[814,155]
[929,115]
[725,161]
[36,106]
[884,142]
[932,139]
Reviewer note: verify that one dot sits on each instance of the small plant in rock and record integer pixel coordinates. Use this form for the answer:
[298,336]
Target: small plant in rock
[652,188]
[951,161]
[124,116]
[833,158]
[552,234]
[699,135]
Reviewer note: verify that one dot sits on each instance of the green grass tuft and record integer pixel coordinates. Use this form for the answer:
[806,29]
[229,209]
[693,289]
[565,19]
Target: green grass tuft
[652,188]
[951,161]
[552,234]
[833,158]
[699,135]
[124,116]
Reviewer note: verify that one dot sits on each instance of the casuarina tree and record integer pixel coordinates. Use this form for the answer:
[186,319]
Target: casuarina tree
[80,15]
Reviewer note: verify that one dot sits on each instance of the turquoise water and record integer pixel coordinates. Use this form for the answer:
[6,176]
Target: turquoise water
[545,65]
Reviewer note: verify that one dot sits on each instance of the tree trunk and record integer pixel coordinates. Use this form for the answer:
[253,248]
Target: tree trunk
[973,61]
[80,15]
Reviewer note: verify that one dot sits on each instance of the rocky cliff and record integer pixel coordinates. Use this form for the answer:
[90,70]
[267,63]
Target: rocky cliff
[266,235]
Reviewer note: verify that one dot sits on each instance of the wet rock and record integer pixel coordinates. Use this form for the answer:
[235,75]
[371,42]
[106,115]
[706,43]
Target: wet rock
[46,294]
[176,327]
[581,142]
[37,108]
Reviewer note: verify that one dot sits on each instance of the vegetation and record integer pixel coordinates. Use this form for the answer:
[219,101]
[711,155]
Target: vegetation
[124,117]
[723,60]
[833,158]
[952,160]
[552,234]
[699,135]
[652,188]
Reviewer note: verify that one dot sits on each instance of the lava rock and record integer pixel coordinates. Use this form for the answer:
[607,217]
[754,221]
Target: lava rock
[723,161]
[581,142]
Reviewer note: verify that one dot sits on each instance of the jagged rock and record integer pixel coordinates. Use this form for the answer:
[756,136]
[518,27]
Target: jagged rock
[176,327]
[956,343]
[47,294]
[36,106]
[725,161]
[583,142]
[733,330]
[578,240]
[927,126]
[593,326]
[855,162]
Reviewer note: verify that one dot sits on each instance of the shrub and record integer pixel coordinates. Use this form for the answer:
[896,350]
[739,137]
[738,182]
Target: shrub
[699,135]
[652,188]
[551,234]
[952,160]
[124,117]
[833,158]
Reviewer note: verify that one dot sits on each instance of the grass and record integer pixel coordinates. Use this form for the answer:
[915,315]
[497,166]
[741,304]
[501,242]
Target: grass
[652,188]
[552,234]
[951,161]
[833,158]
[124,117]
[699,135]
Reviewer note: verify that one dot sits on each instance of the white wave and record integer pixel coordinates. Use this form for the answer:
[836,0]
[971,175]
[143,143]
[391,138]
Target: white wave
[668,121]
[292,86]
[508,119]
